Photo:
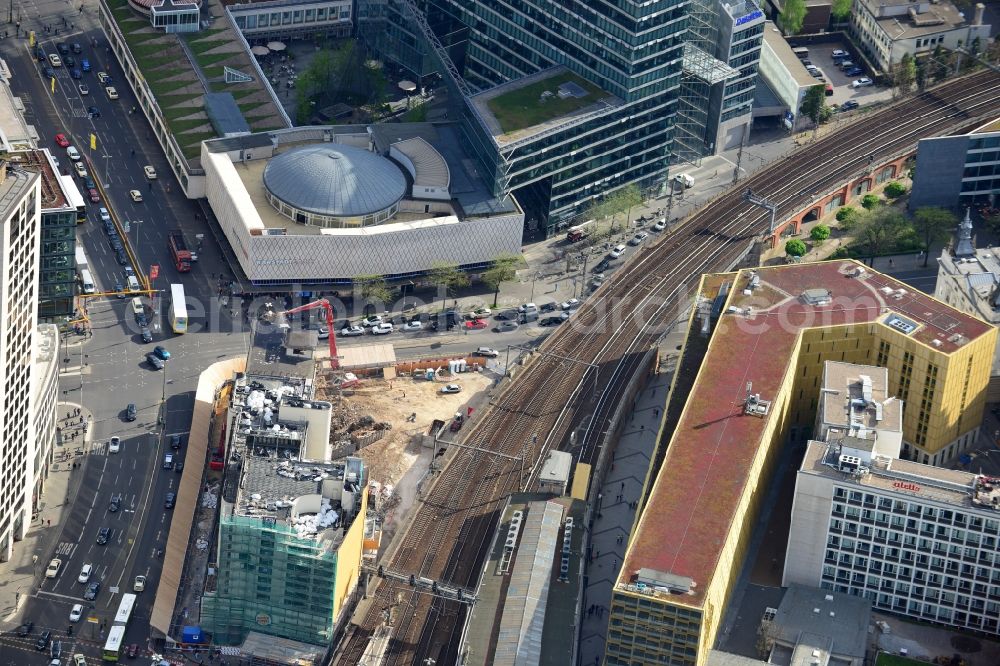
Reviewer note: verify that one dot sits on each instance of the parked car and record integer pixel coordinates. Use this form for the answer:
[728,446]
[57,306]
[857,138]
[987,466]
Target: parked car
[451,388]
[371,320]
[854,71]
[412,325]
[161,352]
[94,196]
[382,329]
[638,238]
[505,326]
[168,500]
[53,569]
[155,361]
[480,312]
[351,331]
[147,335]
[130,411]
[600,267]
[506,315]
[660,225]
[849,105]
[25,629]
[617,251]
[863,82]
[547,307]
[527,307]
[43,640]
[551,321]
[72,153]
[838,53]
[488,352]
[179,466]
[570,304]
[475,325]
[176,442]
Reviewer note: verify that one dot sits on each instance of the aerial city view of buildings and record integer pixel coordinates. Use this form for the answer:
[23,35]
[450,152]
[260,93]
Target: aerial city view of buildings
[537,332]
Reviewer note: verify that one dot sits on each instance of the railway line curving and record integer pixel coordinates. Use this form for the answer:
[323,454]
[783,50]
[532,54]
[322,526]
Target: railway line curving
[452,528]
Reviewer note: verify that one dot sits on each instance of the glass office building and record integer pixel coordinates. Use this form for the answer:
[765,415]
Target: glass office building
[594,86]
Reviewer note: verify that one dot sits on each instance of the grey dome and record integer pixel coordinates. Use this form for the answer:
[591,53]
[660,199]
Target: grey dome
[334,179]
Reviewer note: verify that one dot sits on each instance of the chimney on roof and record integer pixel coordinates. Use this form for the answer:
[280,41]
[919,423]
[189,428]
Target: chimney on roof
[978,17]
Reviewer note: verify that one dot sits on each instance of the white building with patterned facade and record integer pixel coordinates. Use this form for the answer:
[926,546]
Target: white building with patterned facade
[321,205]
[916,540]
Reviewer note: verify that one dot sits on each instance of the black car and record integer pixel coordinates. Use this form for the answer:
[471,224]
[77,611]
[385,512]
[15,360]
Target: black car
[116,502]
[43,640]
[49,73]
[40,54]
[122,257]
[116,243]
[175,442]
[69,61]
[548,307]
[94,112]
[507,315]
[179,466]
[602,265]
[141,320]
[168,501]
[551,321]
[103,537]
[155,361]
[76,48]
[63,48]
[849,105]
[146,335]
[25,629]
[130,412]
[92,589]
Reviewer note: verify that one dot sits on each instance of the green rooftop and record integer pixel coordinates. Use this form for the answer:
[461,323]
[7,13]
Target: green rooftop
[529,105]
[176,85]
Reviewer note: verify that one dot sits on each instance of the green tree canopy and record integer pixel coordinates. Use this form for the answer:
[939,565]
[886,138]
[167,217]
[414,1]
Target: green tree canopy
[615,203]
[795,248]
[905,73]
[933,226]
[846,212]
[820,232]
[793,13]
[447,277]
[373,288]
[841,9]
[879,229]
[895,189]
[870,201]
[502,269]
[813,103]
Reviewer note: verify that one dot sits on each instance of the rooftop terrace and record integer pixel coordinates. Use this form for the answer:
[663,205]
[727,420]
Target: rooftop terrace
[181,70]
[40,161]
[527,106]
[714,444]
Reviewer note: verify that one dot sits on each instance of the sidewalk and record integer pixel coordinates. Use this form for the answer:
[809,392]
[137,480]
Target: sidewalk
[616,509]
[20,576]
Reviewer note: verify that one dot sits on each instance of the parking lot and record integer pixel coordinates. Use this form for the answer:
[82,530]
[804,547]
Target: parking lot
[821,56]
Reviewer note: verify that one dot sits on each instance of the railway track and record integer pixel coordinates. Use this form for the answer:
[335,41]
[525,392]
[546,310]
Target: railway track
[583,369]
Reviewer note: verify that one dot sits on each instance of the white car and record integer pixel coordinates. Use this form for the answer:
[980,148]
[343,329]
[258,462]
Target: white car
[115,445]
[478,313]
[617,251]
[862,82]
[383,328]
[570,304]
[55,60]
[53,569]
[451,388]
[150,172]
[661,225]
[323,333]
[136,195]
[527,307]
[112,93]
[81,171]
[85,572]
[76,613]
[838,53]
[638,238]
[73,153]
[371,321]
[105,215]
[411,326]
[351,331]
[139,584]
[84,90]
[488,352]
[79,660]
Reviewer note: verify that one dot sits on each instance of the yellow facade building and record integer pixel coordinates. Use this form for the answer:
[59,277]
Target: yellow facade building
[758,387]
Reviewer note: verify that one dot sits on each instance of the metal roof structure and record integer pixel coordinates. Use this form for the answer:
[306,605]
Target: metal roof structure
[705,66]
[430,166]
[225,114]
[335,179]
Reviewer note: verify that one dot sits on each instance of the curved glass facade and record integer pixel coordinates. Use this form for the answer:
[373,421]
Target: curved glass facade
[328,221]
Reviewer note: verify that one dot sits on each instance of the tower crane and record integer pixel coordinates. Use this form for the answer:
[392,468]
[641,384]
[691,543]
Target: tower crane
[325,304]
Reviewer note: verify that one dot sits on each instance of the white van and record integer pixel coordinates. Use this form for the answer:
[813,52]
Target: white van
[133,283]
[137,308]
[88,282]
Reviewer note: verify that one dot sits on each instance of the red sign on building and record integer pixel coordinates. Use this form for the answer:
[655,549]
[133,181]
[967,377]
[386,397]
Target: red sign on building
[154,271]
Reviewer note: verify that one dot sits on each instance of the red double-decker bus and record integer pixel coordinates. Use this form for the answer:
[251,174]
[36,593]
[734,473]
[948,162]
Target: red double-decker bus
[180,252]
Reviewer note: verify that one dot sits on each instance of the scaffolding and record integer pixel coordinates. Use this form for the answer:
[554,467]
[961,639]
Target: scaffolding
[701,71]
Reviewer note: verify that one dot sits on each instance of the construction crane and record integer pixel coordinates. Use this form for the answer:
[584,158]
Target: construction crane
[325,304]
